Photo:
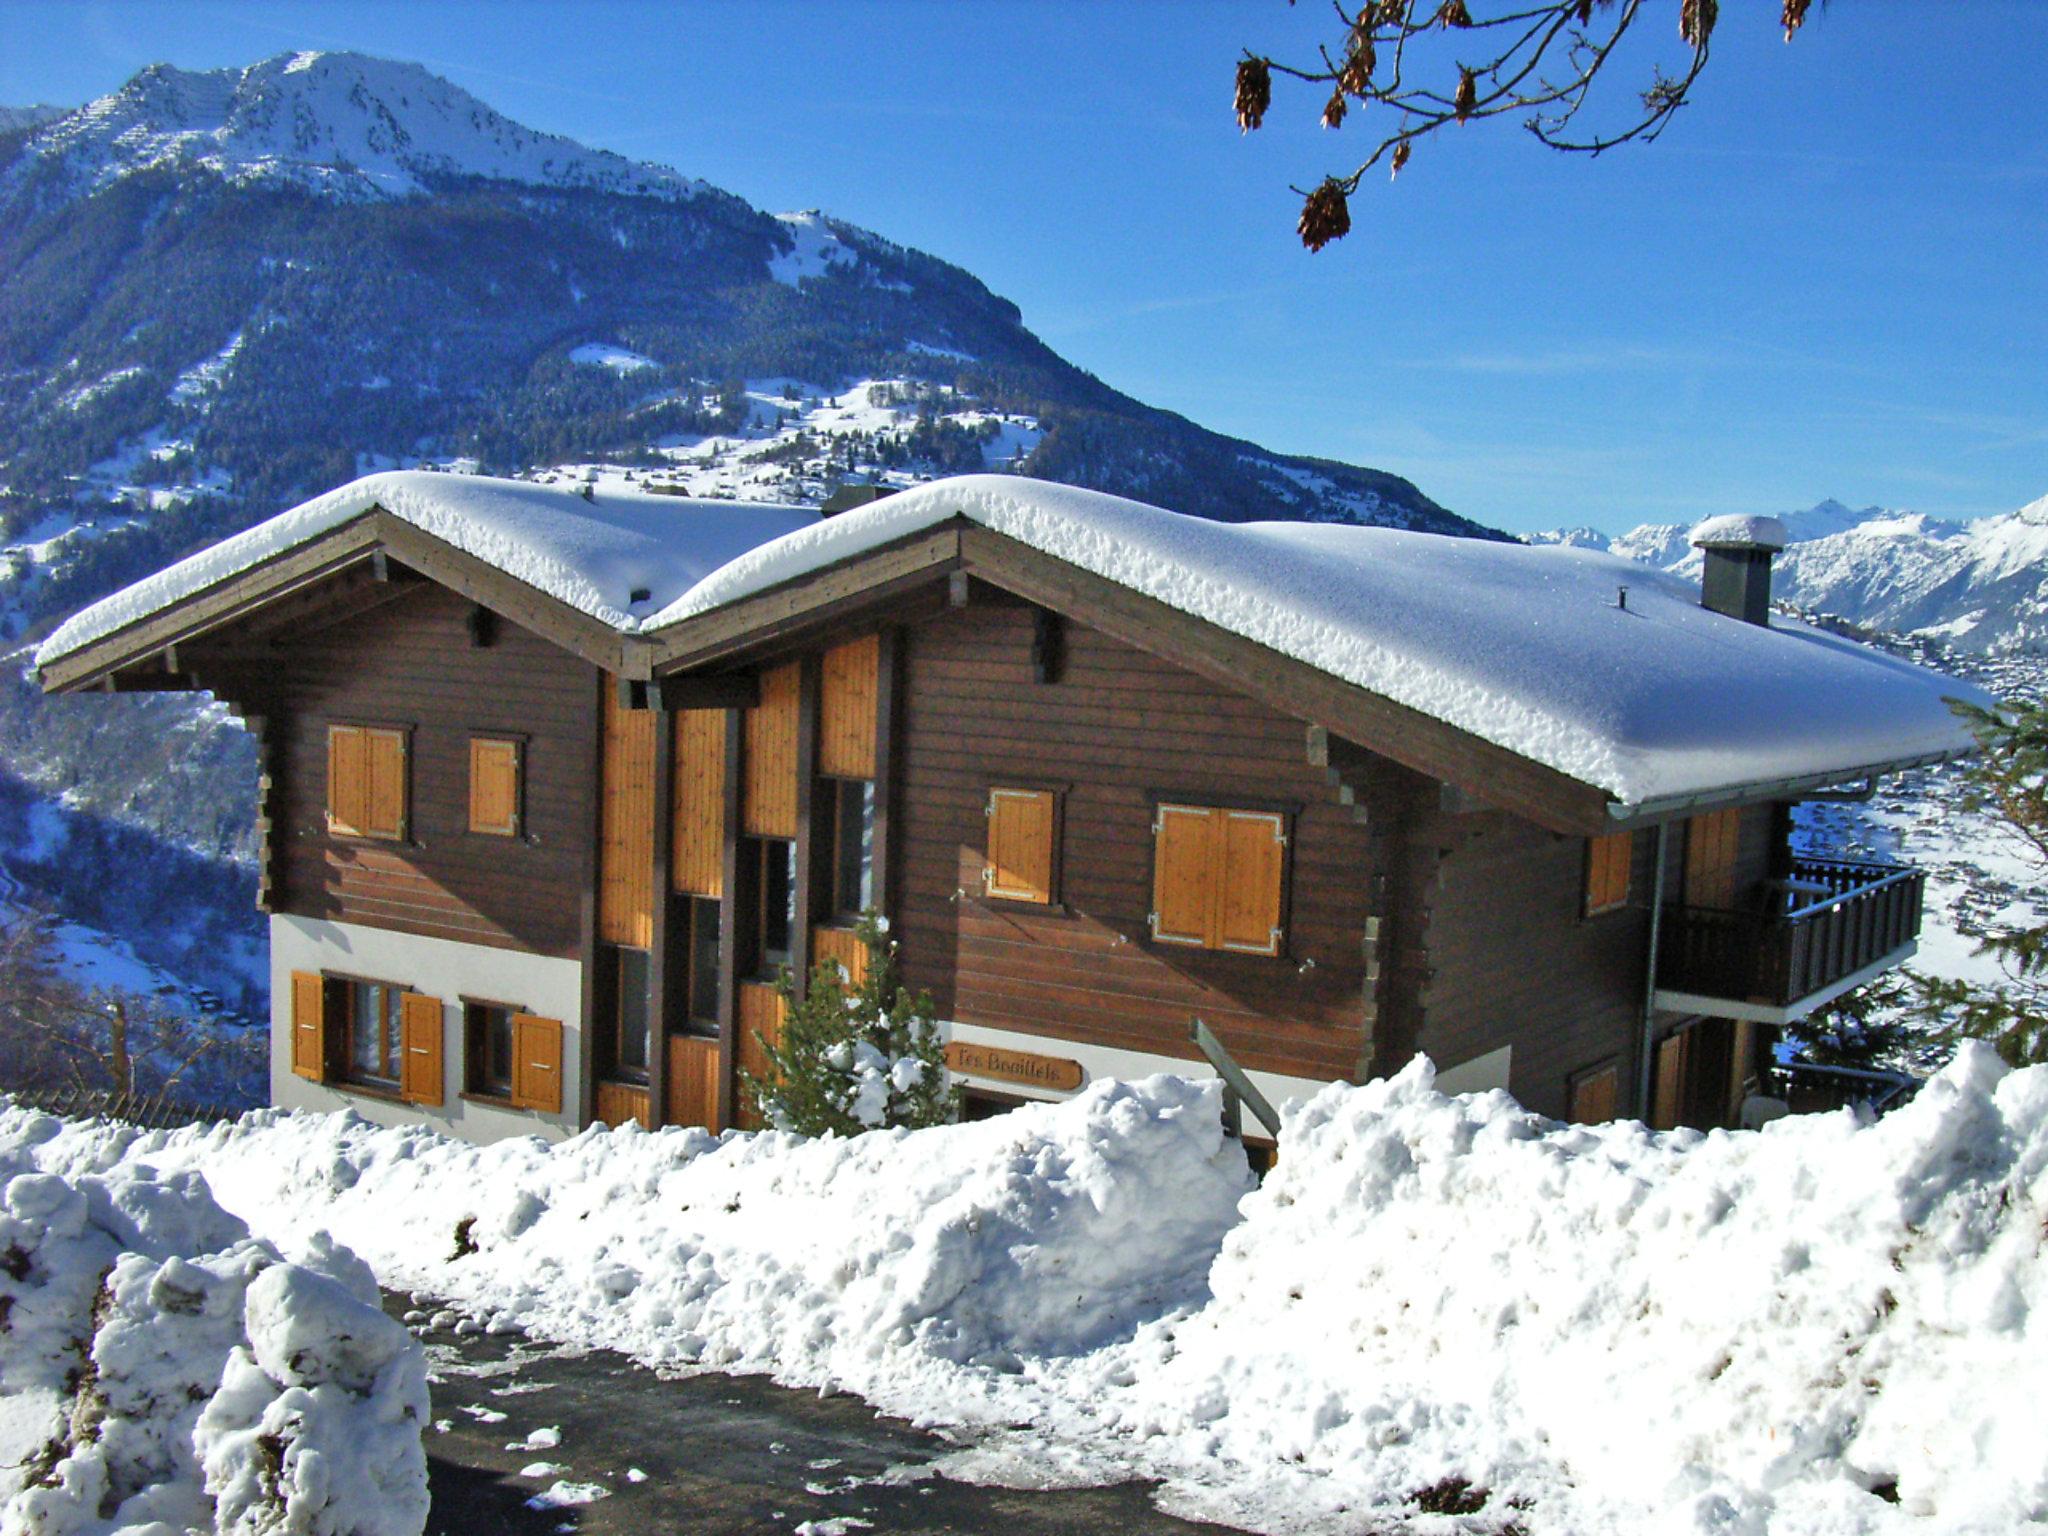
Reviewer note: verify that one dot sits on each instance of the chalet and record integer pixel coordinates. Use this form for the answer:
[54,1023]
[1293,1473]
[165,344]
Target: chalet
[556,781]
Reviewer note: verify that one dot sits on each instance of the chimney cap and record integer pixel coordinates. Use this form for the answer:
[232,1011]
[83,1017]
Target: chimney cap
[1736,531]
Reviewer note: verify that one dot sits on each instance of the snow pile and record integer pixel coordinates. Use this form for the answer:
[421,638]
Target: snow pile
[157,1364]
[872,1262]
[1738,531]
[1829,1326]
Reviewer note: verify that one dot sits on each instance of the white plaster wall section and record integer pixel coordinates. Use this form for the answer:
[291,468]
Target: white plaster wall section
[443,968]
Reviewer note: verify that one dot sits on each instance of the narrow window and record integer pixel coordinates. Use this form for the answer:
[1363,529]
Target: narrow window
[853,848]
[625,1015]
[1219,878]
[1607,872]
[1022,845]
[487,1049]
[704,915]
[494,782]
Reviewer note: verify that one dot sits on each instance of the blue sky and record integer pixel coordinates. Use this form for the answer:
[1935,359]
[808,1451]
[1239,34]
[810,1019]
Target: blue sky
[1830,278]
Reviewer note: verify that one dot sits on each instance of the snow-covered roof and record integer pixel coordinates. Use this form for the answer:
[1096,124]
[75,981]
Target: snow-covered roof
[1527,647]
[591,554]
[1739,531]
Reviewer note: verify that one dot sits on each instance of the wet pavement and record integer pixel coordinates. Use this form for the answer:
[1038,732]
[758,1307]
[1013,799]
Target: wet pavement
[529,1438]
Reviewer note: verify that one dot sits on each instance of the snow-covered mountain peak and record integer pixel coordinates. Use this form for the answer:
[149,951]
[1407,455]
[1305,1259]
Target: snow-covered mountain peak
[341,124]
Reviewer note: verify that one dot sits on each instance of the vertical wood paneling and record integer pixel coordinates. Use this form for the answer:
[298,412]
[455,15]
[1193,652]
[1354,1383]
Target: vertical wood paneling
[760,1016]
[1249,890]
[616,1103]
[846,720]
[421,1079]
[697,857]
[843,945]
[768,801]
[1712,841]
[537,1063]
[1020,845]
[309,1025]
[693,1073]
[625,904]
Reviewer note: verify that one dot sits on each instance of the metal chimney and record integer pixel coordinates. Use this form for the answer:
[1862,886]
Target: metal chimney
[1737,577]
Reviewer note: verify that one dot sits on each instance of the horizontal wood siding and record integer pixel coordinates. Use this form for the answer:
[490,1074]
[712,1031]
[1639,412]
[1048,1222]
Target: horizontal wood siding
[846,709]
[768,791]
[411,662]
[625,884]
[697,852]
[1119,726]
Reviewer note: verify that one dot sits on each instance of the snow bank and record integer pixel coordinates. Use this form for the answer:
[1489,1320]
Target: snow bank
[1736,530]
[1829,1326]
[160,1365]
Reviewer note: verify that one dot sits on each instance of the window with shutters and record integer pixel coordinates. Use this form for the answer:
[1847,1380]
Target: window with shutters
[1711,842]
[487,1049]
[367,781]
[1219,877]
[495,772]
[1023,846]
[1607,871]
[371,1026]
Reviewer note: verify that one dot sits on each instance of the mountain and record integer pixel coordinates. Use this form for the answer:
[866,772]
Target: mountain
[1981,585]
[12,118]
[222,291]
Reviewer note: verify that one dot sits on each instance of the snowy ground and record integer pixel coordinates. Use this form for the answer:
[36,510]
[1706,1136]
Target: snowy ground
[1439,1314]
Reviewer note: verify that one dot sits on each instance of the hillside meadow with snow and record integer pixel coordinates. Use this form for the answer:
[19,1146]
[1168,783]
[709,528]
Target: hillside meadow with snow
[1439,1313]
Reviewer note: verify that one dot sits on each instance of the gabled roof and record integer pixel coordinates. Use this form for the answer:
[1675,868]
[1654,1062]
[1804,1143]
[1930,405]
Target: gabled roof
[1527,650]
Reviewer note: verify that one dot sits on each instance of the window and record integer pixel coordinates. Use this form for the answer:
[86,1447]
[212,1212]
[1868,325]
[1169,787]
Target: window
[849,807]
[372,1028]
[1710,854]
[366,781]
[494,774]
[1607,871]
[1023,845]
[487,1049]
[768,905]
[625,1014]
[703,990]
[1219,877]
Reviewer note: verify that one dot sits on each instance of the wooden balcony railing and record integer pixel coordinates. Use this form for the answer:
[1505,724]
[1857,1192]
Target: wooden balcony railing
[1831,919]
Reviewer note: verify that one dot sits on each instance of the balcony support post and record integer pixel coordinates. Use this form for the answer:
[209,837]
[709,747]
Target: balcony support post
[1646,1047]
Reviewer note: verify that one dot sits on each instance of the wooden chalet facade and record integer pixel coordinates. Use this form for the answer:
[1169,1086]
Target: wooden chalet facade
[531,865]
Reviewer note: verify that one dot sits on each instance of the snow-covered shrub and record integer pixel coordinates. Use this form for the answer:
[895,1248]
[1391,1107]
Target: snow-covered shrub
[141,1326]
[855,1057]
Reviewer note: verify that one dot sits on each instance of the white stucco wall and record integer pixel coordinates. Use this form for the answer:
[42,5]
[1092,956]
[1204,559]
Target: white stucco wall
[440,968]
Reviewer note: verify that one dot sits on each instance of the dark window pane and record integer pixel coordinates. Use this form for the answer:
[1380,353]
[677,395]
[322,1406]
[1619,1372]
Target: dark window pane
[373,1028]
[778,902]
[489,1048]
[703,960]
[853,881]
[633,1010]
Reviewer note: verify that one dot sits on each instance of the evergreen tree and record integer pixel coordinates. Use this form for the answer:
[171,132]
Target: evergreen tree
[854,1056]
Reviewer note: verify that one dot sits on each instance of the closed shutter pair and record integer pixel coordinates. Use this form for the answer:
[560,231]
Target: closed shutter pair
[1218,877]
[366,781]
[536,1047]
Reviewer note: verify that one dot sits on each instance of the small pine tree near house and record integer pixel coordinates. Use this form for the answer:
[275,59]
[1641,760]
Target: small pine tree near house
[854,1056]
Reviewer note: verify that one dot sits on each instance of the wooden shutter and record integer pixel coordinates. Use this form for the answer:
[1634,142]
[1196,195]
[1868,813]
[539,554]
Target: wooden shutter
[1607,871]
[1184,860]
[537,1063]
[384,801]
[494,787]
[1710,848]
[847,688]
[768,793]
[697,849]
[420,1031]
[309,1025]
[1669,1103]
[1595,1096]
[1020,845]
[1247,894]
[348,779]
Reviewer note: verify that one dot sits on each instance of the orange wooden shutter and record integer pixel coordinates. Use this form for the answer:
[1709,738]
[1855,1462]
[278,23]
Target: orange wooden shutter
[1595,1097]
[1710,849]
[348,777]
[1184,861]
[537,1063]
[1247,896]
[1607,871]
[1020,836]
[768,796]
[309,1025]
[1669,1103]
[697,849]
[846,709]
[384,814]
[420,1076]
[493,786]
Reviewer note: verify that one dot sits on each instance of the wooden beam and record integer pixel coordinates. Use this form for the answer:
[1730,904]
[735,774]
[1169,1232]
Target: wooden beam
[729,926]
[664,978]
[1408,736]
[717,690]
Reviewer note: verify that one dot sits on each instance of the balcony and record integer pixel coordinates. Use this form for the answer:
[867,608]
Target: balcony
[1831,926]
